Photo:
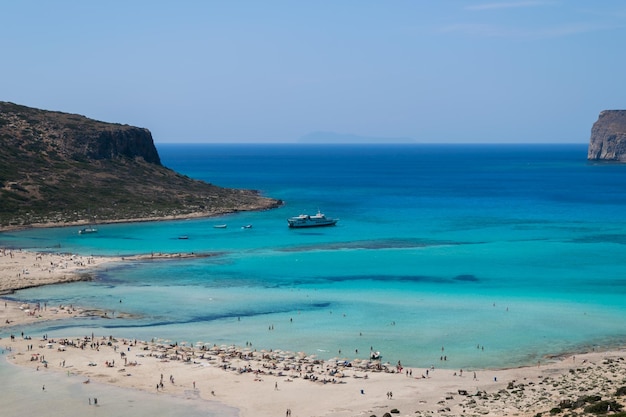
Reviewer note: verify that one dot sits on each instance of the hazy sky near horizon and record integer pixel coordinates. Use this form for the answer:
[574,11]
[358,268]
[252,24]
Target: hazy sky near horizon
[449,71]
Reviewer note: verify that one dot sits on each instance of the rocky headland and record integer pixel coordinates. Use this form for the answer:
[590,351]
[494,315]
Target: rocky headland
[608,137]
[66,169]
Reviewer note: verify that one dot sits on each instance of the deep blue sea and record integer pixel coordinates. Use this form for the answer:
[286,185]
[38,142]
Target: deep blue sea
[499,254]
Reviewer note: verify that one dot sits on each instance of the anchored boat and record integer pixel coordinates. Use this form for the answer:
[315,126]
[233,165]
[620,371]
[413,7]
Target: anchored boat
[316,220]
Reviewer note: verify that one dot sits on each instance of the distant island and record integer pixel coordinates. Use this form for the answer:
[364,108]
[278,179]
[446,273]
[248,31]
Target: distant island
[346,138]
[66,169]
[608,137]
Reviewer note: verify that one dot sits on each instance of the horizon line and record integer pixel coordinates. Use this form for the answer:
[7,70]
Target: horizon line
[369,143]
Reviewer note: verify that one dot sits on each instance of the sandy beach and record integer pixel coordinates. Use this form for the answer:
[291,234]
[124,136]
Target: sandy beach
[275,383]
[25,269]
[270,383]
[21,269]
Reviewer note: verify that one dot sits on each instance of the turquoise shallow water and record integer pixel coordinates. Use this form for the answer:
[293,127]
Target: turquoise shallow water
[517,249]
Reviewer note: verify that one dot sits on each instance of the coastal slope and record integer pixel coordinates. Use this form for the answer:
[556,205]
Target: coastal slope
[65,169]
[608,137]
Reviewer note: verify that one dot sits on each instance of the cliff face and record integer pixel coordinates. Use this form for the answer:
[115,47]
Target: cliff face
[73,136]
[59,168]
[608,137]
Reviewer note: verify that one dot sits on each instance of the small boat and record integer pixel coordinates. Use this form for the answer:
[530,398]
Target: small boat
[248,226]
[375,356]
[220,226]
[91,228]
[316,220]
[183,237]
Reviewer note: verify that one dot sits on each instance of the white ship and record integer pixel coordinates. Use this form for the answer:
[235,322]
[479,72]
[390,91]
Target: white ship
[316,220]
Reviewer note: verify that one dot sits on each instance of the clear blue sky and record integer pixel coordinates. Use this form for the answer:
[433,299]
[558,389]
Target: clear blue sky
[272,71]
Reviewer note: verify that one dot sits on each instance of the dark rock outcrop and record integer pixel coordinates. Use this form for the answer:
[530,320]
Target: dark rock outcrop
[59,168]
[608,137]
[130,142]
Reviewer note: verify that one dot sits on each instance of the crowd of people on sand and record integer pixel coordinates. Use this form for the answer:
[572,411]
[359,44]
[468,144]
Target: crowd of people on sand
[233,359]
[277,365]
[262,363]
[280,364]
[229,358]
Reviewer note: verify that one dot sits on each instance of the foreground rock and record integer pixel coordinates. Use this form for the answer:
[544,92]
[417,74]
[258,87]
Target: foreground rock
[608,137]
[60,168]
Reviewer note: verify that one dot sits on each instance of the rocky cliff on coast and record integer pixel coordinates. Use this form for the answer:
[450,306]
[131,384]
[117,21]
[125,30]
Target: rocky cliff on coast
[608,137]
[60,168]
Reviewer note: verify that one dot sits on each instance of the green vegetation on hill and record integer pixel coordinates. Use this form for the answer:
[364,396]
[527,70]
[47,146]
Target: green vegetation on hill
[67,169]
